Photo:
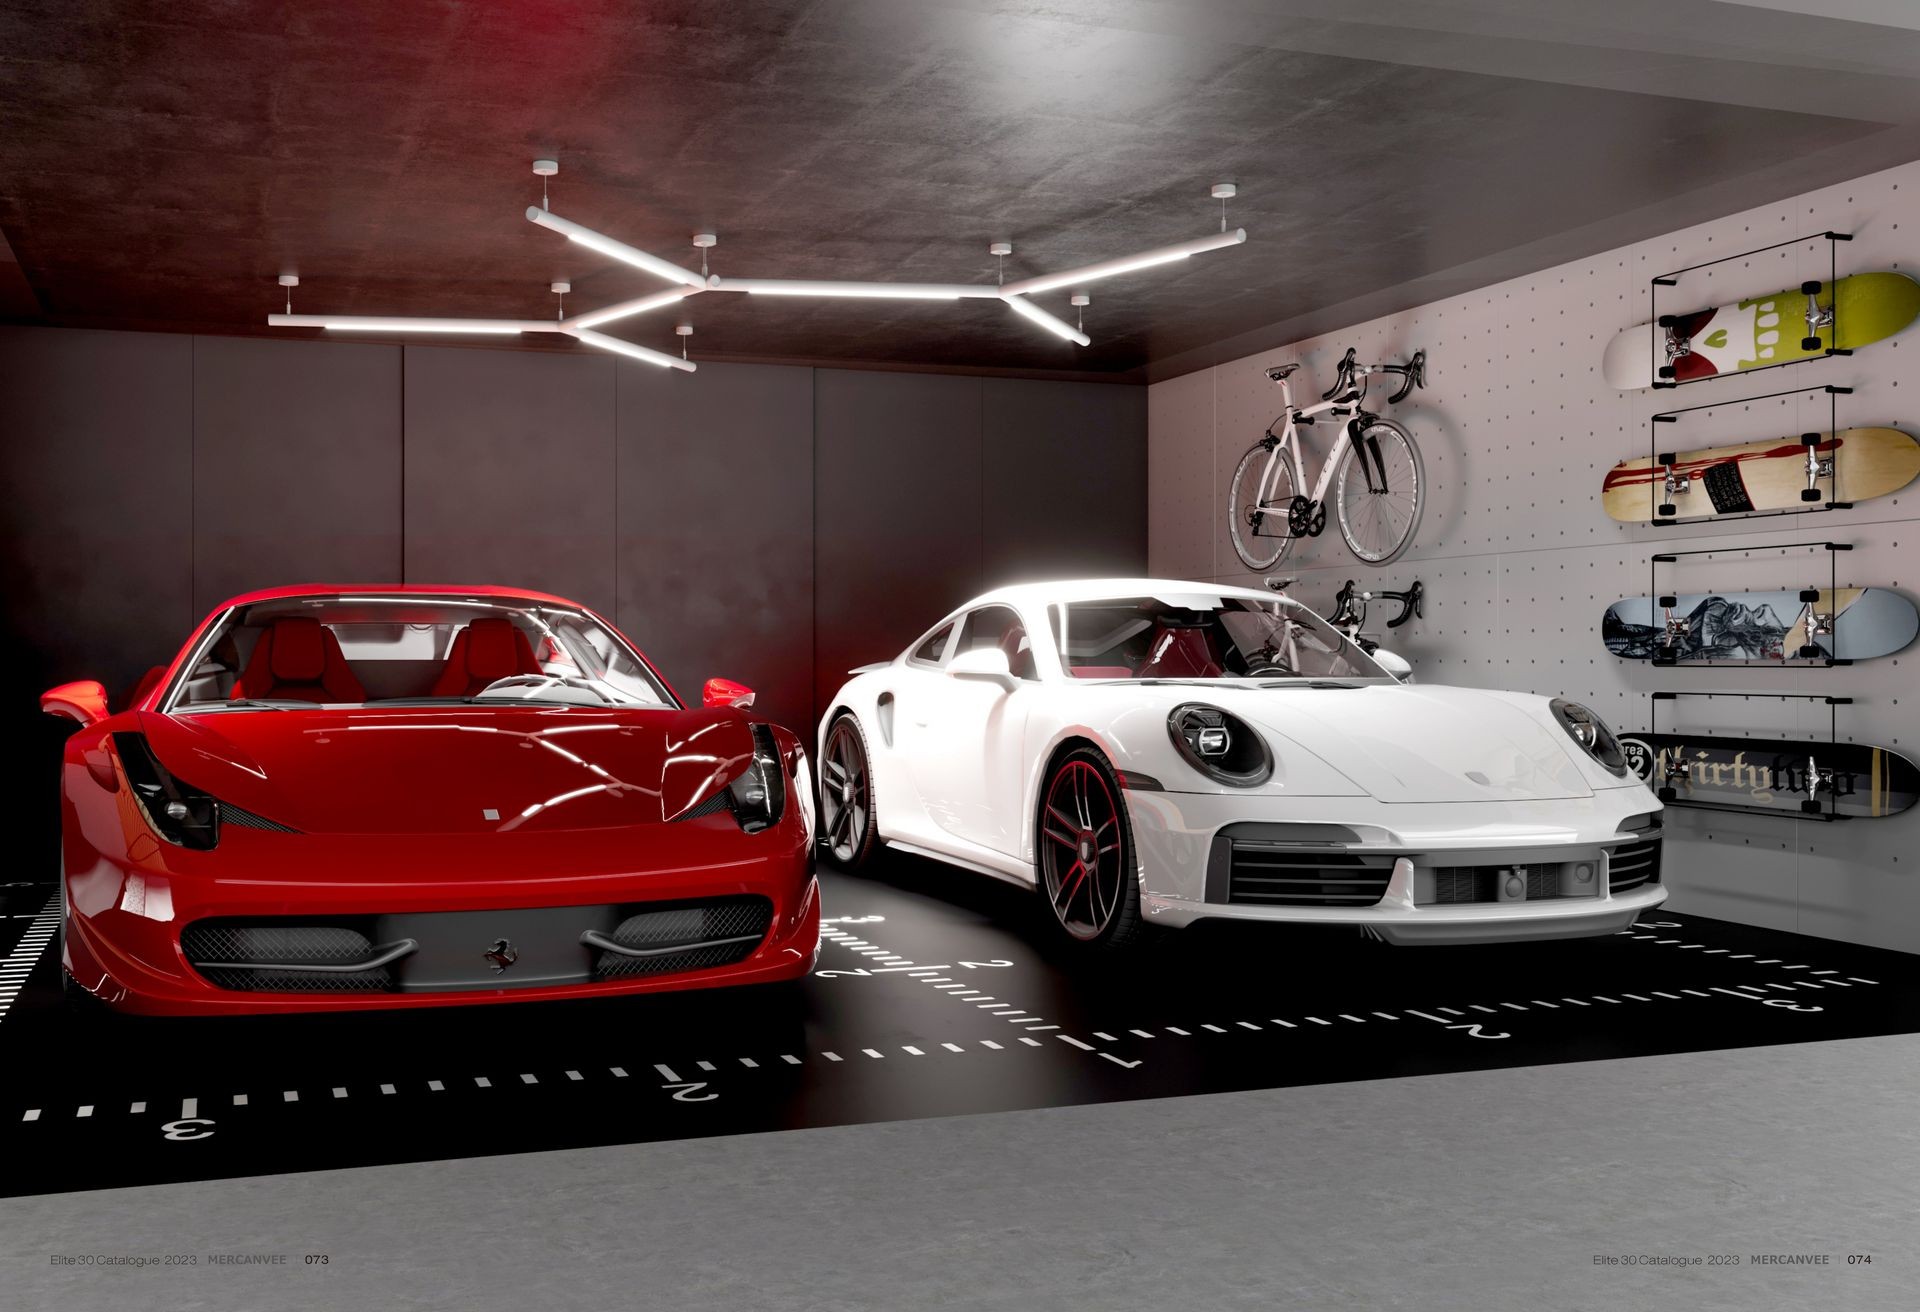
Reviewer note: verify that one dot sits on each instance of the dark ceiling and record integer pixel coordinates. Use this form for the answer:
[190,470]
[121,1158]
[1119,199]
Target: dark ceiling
[160,163]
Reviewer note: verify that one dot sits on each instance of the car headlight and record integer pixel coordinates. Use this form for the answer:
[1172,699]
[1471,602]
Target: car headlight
[1220,746]
[758,798]
[174,809]
[1591,732]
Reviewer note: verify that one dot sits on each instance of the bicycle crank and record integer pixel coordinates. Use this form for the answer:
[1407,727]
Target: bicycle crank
[1306,518]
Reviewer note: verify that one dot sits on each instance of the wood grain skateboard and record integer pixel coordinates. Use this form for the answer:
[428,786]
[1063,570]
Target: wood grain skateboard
[1841,468]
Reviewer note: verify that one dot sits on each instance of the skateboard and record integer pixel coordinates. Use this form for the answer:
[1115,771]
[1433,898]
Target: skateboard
[1768,330]
[1853,464]
[1817,624]
[1844,780]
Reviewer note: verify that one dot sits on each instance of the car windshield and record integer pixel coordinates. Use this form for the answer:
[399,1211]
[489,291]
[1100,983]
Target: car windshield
[1202,636]
[300,652]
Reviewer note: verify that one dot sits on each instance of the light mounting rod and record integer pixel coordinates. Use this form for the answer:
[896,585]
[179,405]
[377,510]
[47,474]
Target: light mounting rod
[1046,282]
[618,250]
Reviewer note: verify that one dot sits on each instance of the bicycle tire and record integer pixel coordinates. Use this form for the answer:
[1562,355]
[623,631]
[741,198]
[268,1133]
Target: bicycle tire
[1415,504]
[1240,527]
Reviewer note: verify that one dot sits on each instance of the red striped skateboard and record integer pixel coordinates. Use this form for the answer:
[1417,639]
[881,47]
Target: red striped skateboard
[1853,464]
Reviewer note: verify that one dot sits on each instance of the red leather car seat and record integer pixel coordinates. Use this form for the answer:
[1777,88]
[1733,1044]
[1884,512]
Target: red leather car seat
[486,650]
[298,657]
[1181,654]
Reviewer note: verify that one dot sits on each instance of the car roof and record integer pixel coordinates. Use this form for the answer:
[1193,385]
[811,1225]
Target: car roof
[490,591]
[1031,595]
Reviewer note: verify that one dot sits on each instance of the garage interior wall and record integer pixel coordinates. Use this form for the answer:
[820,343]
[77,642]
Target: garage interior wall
[773,524]
[1518,427]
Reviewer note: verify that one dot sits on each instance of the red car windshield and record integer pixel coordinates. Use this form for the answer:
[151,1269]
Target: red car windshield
[362,650]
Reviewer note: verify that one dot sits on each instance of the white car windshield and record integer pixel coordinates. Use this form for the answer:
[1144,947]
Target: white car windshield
[300,652]
[1203,636]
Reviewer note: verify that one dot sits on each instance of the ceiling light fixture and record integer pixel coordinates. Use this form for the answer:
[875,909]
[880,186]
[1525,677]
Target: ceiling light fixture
[367,323]
[902,291]
[619,250]
[1047,282]
[631,350]
[638,305]
[1028,310]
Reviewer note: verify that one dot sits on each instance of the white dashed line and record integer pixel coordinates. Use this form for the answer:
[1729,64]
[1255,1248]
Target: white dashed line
[668,1074]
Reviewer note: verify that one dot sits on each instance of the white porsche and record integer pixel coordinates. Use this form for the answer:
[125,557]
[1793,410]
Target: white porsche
[1150,752]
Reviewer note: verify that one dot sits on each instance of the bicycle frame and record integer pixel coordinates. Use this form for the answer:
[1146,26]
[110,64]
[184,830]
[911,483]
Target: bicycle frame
[1287,445]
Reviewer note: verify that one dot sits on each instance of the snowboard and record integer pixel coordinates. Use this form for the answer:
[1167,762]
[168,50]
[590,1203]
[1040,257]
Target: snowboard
[1853,464]
[1820,624]
[1792,325]
[1839,779]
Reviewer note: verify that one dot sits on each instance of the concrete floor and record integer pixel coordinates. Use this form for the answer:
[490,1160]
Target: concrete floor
[1490,1189]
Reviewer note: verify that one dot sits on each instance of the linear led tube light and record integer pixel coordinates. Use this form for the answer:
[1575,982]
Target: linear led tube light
[638,305]
[1126,263]
[906,291]
[619,250]
[1028,309]
[629,349]
[409,324]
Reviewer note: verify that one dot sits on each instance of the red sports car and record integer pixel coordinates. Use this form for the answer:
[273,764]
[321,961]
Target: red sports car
[360,798]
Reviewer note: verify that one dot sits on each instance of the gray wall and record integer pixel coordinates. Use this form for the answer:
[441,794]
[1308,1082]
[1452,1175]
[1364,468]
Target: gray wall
[1518,428]
[773,524]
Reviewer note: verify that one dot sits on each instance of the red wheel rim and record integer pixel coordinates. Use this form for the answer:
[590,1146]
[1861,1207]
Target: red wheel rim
[1080,856]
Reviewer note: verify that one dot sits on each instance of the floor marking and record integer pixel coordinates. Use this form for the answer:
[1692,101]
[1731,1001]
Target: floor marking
[26,953]
[1857,980]
[1714,952]
[1754,987]
[1741,956]
[1666,940]
[909,968]
[989,1043]
[189,1108]
[1824,983]
[86,1110]
[1423,1016]
[1386,1015]
[1550,1006]
[1084,1047]
[1108,1038]
[924,974]
[1784,988]
[388,1088]
[942,980]
[482,1082]
[139,1107]
[572,1075]
[1770,961]
[667,1073]
[1451,1012]
[832,1056]
[908,1047]
[750,1063]
[1142,1033]
[1516,1006]
[983,997]
[1658,994]
[1696,992]
[620,1073]
[1031,1043]
[1343,1016]
[871,1053]
[1036,1028]
[970,994]
[436,1086]
[704,1065]
[1175,1029]
[1575,1001]
[1799,967]
[1317,1021]
[1603,998]
[1635,996]
[1826,972]
[1215,1028]
[32,1114]
[339,1092]
[1117,1062]
[1477,1007]
[953,1047]
[1639,936]
[789,1059]
[1243,1024]
[1685,946]
[1730,993]
[1277,1021]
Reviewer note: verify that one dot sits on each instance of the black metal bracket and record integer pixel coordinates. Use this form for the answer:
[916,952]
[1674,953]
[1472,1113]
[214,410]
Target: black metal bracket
[1663,372]
[1809,808]
[1663,513]
[1825,661]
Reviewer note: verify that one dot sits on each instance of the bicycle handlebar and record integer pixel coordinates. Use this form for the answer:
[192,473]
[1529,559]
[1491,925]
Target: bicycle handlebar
[1350,372]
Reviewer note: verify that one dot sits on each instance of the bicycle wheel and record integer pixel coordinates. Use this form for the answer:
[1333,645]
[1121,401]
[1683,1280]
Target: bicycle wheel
[1259,529]
[1377,519]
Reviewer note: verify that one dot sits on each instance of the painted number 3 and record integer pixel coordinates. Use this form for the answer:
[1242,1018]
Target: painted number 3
[198,1127]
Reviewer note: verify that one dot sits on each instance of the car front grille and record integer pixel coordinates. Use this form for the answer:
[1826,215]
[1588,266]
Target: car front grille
[1454,885]
[1273,876]
[1633,865]
[287,945]
[713,932]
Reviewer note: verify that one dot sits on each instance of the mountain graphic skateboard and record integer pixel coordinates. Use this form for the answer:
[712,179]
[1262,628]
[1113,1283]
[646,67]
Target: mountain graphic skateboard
[1818,624]
[1840,468]
[1749,774]
[1768,330]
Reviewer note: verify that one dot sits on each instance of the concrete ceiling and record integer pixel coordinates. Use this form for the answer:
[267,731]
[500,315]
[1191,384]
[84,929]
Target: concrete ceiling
[162,162]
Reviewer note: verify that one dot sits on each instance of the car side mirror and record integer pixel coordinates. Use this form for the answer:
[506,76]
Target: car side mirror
[1393,664]
[984,665]
[85,701]
[725,692]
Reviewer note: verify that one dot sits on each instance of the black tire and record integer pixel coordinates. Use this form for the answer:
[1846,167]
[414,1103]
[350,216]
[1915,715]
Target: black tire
[1097,911]
[846,811]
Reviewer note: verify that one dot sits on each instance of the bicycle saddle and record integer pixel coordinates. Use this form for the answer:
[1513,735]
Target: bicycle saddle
[1279,372]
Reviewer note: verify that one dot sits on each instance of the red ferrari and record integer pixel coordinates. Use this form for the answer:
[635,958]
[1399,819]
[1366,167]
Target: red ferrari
[360,798]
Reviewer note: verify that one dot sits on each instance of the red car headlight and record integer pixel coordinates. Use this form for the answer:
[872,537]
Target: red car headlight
[758,798]
[174,809]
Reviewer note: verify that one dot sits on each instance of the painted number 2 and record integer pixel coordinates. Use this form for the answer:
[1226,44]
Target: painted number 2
[690,1092]
[983,965]
[1475,1032]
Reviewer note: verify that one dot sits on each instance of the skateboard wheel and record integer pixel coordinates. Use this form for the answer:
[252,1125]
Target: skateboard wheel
[1666,371]
[1811,343]
[1809,439]
[1811,653]
[1810,594]
[1665,321]
[1669,509]
[1675,601]
[1809,289]
[1809,494]
[1811,807]
[1669,458]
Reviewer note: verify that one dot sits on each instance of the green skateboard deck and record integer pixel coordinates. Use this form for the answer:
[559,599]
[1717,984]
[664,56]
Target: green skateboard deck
[1791,325]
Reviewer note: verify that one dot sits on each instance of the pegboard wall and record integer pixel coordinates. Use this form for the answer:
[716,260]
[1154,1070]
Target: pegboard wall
[1518,427]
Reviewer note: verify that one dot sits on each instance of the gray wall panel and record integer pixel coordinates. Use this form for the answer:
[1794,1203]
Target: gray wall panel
[716,528]
[296,464]
[1063,480]
[509,470]
[897,508]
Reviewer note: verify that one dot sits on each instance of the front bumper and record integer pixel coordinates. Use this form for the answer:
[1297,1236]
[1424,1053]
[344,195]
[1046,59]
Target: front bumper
[1570,868]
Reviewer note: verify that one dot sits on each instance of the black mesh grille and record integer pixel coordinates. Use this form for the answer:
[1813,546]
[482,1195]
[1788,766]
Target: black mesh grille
[245,819]
[1547,880]
[718,802]
[1278,877]
[690,923]
[1455,884]
[236,942]
[1634,865]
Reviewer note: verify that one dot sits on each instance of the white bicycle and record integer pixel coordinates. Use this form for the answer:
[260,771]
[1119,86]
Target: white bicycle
[1376,476]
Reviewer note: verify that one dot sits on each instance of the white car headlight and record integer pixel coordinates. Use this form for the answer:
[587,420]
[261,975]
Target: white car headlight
[1219,745]
[1591,732]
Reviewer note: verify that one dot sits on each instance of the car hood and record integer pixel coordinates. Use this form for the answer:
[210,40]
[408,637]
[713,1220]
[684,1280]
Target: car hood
[466,769]
[1410,743]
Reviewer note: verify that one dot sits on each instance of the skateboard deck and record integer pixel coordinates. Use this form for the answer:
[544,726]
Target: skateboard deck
[1786,473]
[1768,330]
[1846,624]
[1844,779]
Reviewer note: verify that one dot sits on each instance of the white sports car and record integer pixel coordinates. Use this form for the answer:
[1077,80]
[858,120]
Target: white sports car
[1148,752]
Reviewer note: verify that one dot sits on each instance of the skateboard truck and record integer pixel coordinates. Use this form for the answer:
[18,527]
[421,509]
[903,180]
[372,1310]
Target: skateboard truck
[1676,482]
[1817,318]
[1817,468]
[1675,769]
[1818,781]
[1678,627]
[1818,625]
